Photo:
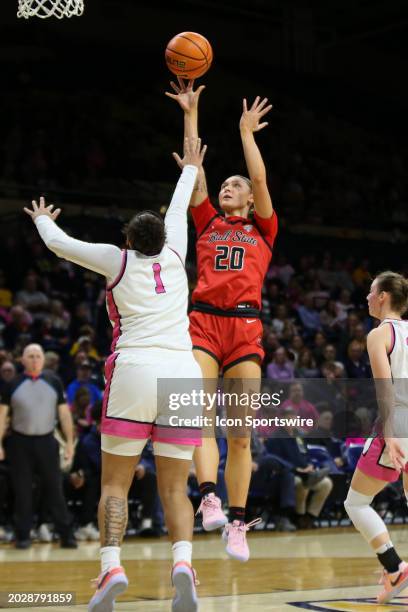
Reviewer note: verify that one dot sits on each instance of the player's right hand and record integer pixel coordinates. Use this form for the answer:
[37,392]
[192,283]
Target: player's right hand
[395,453]
[193,153]
[185,95]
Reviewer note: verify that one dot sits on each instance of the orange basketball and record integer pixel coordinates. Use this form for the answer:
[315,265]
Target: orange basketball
[189,55]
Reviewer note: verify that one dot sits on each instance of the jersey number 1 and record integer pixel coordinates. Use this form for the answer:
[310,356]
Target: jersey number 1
[159,283]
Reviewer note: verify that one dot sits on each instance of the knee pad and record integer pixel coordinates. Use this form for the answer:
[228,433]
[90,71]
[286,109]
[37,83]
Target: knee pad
[364,518]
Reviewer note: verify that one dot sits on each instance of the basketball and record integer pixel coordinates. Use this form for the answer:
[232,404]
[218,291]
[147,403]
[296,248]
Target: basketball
[189,55]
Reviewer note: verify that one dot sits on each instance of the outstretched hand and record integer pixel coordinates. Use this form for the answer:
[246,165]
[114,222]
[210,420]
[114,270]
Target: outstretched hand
[396,454]
[193,153]
[185,95]
[42,209]
[250,119]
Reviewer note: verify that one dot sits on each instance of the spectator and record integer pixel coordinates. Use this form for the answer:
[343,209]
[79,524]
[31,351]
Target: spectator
[281,368]
[17,331]
[6,295]
[30,296]
[309,316]
[83,379]
[344,305]
[357,365]
[312,486]
[306,365]
[299,405]
[276,481]
[52,361]
[81,409]
[323,436]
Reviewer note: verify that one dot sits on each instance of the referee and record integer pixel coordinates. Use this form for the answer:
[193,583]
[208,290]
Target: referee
[36,399]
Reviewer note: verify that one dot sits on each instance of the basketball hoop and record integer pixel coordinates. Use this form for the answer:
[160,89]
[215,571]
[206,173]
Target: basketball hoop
[50,8]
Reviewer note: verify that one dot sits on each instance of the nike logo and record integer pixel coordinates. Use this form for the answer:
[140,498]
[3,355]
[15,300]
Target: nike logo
[394,583]
[251,320]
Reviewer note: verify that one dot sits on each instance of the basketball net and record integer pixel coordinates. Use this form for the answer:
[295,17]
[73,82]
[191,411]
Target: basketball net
[50,8]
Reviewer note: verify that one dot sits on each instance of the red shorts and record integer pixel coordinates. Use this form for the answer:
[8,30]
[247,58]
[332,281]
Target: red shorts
[375,462]
[228,339]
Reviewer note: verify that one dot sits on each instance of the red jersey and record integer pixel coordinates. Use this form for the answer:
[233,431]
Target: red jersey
[233,256]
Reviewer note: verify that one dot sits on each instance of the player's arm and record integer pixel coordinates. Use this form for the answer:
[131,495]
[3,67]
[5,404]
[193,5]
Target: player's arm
[176,217]
[105,259]
[188,100]
[378,346]
[248,125]
[4,410]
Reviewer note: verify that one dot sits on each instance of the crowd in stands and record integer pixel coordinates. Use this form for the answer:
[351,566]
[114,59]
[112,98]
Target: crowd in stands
[315,327]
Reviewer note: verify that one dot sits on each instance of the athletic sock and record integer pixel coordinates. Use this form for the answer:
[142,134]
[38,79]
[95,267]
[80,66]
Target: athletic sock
[206,488]
[182,551]
[389,559]
[110,558]
[236,513]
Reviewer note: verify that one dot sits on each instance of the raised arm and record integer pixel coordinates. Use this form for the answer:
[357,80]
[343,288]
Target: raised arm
[104,259]
[188,100]
[176,217]
[248,125]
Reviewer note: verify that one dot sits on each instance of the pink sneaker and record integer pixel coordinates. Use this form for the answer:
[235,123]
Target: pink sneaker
[108,587]
[184,580]
[392,588]
[213,516]
[235,535]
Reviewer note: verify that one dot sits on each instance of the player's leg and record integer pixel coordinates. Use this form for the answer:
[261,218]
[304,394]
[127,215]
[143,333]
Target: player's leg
[366,520]
[120,457]
[244,377]
[206,456]
[173,464]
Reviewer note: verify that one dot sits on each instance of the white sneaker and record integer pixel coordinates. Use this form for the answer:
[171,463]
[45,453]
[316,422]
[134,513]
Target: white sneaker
[147,523]
[44,534]
[87,532]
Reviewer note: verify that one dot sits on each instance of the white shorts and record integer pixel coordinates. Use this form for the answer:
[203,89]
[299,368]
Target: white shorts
[136,398]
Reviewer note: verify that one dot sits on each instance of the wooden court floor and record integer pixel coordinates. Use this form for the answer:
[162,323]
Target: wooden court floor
[321,570]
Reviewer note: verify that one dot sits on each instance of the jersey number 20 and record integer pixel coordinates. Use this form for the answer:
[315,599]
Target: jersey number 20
[229,258]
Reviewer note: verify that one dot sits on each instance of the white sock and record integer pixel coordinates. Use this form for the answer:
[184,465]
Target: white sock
[110,558]
[182,551]
[383,548]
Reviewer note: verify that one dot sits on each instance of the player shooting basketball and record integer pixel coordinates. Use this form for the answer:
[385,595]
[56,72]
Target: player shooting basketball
[233,256]
[147,295]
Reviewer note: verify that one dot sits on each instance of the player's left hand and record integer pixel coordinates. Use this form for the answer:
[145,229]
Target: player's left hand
[395,453]
[140,471]
[42,209]
[250,119]
[194,153]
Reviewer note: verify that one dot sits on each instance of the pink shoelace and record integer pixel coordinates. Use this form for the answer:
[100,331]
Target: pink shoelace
[242,528]
[209,501]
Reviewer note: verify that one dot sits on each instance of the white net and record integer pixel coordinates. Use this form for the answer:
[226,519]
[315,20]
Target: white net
[50,8]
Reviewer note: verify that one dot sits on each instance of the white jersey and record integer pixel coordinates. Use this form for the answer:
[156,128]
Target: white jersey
[147,303]
[147,296]
[398,357]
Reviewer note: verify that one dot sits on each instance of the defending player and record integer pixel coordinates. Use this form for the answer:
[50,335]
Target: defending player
[147,296]
[385,455]
[233,256]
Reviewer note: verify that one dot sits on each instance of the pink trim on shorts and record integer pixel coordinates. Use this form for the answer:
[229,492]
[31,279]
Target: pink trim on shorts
[121,272]
[177,435]
[369,463]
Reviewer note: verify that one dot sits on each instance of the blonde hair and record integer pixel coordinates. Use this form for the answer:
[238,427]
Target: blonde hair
[397,286]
